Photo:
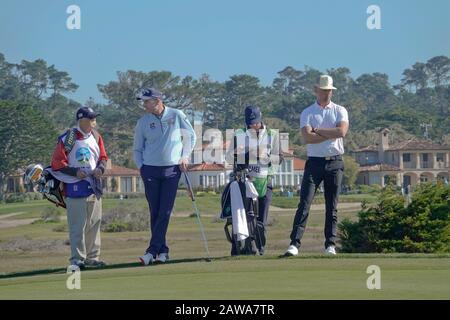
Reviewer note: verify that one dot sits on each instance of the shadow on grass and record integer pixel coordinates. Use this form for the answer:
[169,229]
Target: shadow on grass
[108,267]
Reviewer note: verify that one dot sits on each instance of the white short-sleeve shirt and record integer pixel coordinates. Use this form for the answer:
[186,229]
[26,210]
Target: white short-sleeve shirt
[324,117]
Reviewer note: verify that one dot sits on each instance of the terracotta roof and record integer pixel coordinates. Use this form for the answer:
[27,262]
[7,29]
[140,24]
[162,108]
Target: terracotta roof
[203,146]
[411,144]
[378,167]
[288,155]
[299,164]
[121,171]
[207,167]
[417,144]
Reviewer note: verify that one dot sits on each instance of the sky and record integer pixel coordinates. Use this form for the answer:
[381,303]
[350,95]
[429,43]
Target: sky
[222,38]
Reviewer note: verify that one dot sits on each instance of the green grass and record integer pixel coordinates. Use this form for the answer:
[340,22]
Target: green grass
[290,203]
[34,206]
[32,209]
[248,278]
[188,276]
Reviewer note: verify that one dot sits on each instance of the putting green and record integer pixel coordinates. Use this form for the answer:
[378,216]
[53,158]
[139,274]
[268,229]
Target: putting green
[305,277]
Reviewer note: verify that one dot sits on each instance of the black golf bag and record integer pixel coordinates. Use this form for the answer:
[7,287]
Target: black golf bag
[247,246]
[44,182]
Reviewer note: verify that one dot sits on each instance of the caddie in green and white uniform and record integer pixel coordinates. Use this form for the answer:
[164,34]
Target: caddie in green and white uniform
[257,149]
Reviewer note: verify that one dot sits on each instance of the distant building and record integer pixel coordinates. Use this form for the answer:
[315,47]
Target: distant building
[405,163]
[122,180]
[207,176]
[215,175]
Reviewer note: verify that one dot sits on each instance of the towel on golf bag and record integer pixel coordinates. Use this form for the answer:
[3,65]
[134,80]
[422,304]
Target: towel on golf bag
[240,228]
[250,190]
[96,184]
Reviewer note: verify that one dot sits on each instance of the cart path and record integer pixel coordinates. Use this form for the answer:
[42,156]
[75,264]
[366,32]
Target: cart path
[351,206]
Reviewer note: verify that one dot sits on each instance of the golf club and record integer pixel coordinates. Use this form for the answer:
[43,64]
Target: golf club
[191,192]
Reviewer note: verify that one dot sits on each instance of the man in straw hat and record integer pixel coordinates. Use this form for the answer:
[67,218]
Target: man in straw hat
[324,124]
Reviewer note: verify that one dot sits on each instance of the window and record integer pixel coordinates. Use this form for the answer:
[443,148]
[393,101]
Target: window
[407,157]
[125,184]
[440,157]
[425,157]
[201,180]
[286,166]
[283,166]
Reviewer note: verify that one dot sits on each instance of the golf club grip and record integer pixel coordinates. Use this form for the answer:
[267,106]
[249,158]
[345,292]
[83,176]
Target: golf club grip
[188,182]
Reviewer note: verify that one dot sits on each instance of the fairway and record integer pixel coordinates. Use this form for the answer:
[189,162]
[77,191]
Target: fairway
[33,259]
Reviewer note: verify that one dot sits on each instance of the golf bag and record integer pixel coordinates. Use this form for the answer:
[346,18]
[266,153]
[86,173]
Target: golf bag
[44,182]
[247,246]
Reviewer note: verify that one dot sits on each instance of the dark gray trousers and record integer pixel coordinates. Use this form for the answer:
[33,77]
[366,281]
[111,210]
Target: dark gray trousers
[316,171]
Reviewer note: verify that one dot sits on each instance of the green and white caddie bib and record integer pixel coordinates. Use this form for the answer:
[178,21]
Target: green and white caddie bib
[259,172]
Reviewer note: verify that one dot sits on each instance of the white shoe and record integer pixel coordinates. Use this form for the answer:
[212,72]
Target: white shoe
[147,259]
[162,257]
[291,251]
[330,250]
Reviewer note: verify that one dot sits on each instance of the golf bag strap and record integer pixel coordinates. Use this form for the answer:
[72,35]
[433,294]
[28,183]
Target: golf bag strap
[69,141]
[71,137]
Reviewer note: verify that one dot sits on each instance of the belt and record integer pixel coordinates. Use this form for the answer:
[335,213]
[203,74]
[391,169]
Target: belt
[338,157]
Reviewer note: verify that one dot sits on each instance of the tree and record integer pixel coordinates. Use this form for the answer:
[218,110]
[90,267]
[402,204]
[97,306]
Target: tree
[212,102]
[290,108]
[439,70]
[376,91]
[34,78]
[389,226]
[416,77]
[121,94]
[350,171]
[27,137]
[240,91]
[309,78]
[9,84]
[59,82]
[288,82]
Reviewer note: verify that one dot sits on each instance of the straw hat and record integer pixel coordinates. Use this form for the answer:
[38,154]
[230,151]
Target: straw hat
[326,82]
